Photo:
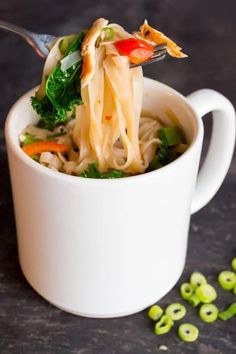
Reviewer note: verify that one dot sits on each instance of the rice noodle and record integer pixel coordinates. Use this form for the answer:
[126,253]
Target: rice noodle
[111,114]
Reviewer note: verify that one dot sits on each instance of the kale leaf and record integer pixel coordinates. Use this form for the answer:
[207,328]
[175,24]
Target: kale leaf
[62,91]
[92,172]
[163,157]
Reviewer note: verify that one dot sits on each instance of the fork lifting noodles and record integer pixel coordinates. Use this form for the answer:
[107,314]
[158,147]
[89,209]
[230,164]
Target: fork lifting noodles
[87,76]
[42,43]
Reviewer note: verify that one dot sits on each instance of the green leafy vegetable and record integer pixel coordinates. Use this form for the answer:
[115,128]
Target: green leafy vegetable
[92,172]
[35,158]
[163,157]
[155,312]
[62,91]
[170,136]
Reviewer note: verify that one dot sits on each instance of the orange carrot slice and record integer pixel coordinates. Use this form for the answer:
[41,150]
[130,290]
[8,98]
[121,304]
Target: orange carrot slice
[42,146]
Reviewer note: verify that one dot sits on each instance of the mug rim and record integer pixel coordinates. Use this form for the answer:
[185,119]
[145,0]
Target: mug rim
[15,147]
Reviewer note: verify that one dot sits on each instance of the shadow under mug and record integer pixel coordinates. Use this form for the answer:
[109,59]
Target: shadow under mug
[99,248]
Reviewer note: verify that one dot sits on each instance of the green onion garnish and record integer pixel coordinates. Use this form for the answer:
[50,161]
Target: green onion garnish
[176,311]
[35,157]
[194,300]
[107,34]
[188,332]
[227,280]
[155,312]
[163,325]
[171,136]
[29,139]
[206,293]
[208,313]
[227,314]
[66,42]
[186,291]
[197,279]
[233,263]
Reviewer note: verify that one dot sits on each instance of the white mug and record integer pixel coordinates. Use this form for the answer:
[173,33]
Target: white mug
[109,248]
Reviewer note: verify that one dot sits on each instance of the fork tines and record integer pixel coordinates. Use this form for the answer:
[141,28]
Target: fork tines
[160,47]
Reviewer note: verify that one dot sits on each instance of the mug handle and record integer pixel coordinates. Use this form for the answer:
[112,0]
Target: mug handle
[219,155]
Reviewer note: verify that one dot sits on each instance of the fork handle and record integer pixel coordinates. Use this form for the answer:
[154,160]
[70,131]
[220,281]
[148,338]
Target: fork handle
[22,32]
[25,34]
[37,41]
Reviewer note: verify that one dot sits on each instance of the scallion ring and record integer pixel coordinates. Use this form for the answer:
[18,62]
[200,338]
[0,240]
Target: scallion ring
[188,332]
[206,293]
[194,300]
[197,279]
[186,291]
[233,263]
[163,325]
[227,280]
[208,313]
[227,314]
[176,311]
[155,312]
[107,34]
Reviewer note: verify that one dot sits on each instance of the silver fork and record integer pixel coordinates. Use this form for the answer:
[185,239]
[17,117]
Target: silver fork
[41,43]
[159,54]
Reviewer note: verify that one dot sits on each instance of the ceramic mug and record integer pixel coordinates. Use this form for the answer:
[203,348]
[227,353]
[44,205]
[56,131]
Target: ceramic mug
[109,248]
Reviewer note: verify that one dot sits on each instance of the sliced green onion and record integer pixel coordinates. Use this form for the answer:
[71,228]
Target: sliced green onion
[163,325]
[171,136]
[227,314]
[197,279]
[186,291]
[35,157]
[29,139]
[55,135]
[107,34]
[208,313]
[233,263]
[66,42]
[206,293]
[194,300]
[188,332]
[227,280]
[176,311]
[155,312]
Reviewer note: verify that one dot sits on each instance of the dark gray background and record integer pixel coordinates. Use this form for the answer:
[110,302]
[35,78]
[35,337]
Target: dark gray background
[207,32]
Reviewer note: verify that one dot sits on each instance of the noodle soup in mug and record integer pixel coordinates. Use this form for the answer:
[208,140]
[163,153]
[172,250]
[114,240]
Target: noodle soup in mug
[99,247]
